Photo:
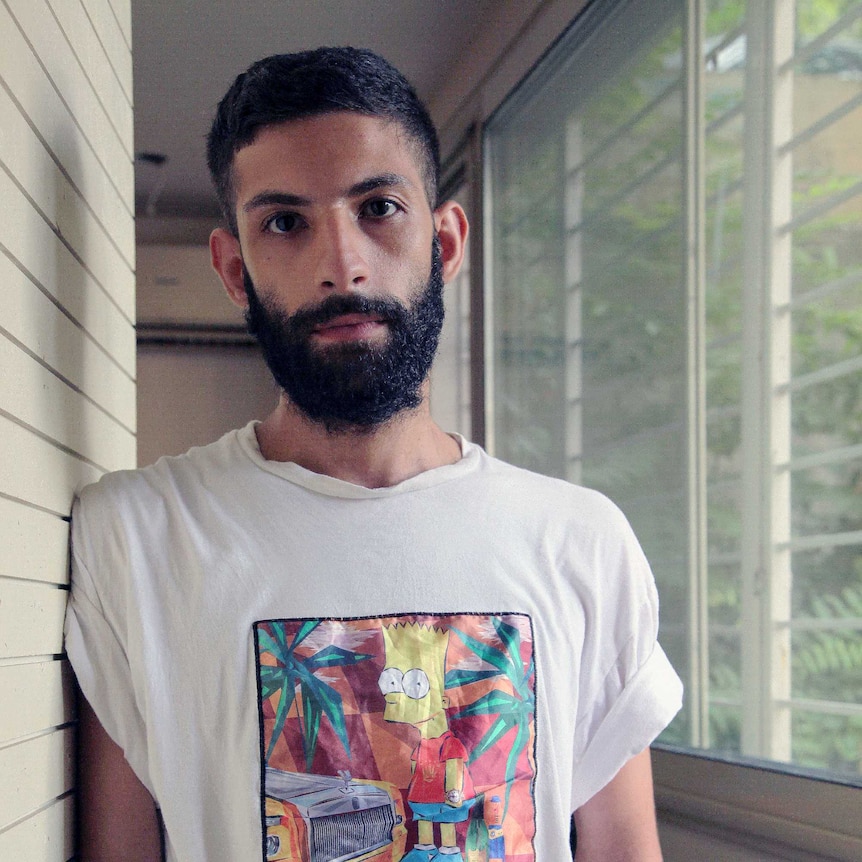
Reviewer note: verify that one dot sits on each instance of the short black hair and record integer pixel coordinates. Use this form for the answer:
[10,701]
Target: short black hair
[311,83]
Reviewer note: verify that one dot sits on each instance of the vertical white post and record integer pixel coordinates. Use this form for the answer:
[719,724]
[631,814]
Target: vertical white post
[694,226]
[765,384]
[781,584]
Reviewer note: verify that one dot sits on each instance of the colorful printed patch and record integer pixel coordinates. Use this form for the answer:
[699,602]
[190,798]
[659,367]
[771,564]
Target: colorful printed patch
[397,738]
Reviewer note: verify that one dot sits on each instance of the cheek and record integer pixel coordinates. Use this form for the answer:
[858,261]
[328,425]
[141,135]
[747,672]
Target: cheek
[403,276]
[278,285]
[402,252]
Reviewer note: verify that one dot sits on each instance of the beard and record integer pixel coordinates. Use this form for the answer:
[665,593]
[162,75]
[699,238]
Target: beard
[356,386]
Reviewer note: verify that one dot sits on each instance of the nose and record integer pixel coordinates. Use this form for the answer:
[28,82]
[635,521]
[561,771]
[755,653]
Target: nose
[341,253]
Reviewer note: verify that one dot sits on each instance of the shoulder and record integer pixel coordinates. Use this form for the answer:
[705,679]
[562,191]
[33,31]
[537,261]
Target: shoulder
[550,498]
[574,531]
[143,493]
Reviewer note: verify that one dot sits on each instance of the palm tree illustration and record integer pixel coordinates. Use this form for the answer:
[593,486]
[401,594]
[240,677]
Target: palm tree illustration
[293,672]
[513,709]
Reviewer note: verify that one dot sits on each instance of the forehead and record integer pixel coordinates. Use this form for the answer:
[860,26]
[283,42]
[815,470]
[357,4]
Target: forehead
[325,153]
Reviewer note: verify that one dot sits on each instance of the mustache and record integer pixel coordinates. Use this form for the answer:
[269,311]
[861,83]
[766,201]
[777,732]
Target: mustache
[389,310]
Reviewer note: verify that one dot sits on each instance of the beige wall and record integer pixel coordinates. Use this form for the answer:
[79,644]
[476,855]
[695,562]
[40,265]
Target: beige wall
[198,373]
[189,395]
[67,354]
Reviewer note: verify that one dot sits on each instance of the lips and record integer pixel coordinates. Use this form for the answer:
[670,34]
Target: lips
[349,326]
[348,320]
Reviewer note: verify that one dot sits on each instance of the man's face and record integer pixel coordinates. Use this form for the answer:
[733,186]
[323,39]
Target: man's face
[352,384]
[334,223]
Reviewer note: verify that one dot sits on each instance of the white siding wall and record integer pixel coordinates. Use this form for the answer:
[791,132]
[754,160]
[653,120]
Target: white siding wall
[67,367]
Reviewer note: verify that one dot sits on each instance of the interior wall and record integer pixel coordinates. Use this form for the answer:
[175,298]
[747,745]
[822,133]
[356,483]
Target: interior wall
[189,395]
[67,352]
[199,375]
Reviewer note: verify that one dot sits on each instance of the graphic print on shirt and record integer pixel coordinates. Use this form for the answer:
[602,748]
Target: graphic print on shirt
[405,738]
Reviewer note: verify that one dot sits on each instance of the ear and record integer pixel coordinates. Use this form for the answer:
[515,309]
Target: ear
[226,258]
[450,222]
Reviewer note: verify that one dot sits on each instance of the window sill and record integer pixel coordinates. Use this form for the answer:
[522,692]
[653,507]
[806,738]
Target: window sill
[791,815]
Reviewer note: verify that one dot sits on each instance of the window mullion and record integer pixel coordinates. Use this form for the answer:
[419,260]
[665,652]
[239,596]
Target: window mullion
[780,592]
[694,221]
[766,375]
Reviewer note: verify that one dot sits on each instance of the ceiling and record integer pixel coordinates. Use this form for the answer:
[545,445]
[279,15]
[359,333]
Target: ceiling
[187,52]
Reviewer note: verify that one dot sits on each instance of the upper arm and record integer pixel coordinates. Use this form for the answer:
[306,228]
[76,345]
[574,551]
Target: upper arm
[618,824]
[116,815]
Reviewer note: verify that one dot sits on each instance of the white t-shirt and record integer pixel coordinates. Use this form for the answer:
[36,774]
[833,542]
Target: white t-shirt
[250,632]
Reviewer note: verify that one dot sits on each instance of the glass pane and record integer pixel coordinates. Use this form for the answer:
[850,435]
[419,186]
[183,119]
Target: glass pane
[595,333]
[724,57]
[589,316]
[826,414]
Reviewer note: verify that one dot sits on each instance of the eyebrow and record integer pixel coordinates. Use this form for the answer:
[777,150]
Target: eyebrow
[271,197]
[373,183]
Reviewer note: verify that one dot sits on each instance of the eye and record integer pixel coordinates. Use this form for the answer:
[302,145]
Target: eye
[390,681]
[379,208]
[416,683]
[282,223]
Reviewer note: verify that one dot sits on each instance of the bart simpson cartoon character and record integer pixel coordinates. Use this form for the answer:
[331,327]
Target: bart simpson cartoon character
[412,683]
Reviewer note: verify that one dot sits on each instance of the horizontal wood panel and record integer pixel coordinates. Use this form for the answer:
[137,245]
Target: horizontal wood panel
[114,42]
[55,125]
[35,544]
[33,470]
[31,619]
[52,118]
[37,249]
[32,394]
[67,366]
[49,43]
[36,322]
[47,836]
[123,10]
[36,697]
[26,158]
[34,772]
[91,55]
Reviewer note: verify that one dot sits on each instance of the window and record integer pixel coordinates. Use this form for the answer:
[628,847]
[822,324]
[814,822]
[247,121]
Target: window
[674,239]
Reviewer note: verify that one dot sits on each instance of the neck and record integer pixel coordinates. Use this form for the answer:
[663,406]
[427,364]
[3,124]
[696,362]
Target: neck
[376,458]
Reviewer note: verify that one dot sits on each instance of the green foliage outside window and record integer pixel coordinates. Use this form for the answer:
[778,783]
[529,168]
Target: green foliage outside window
[631,293]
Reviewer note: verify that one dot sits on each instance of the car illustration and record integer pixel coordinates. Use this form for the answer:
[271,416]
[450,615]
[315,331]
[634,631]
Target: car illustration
[327,818]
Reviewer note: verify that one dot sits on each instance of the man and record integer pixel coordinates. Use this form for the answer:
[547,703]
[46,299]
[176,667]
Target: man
[228,606]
